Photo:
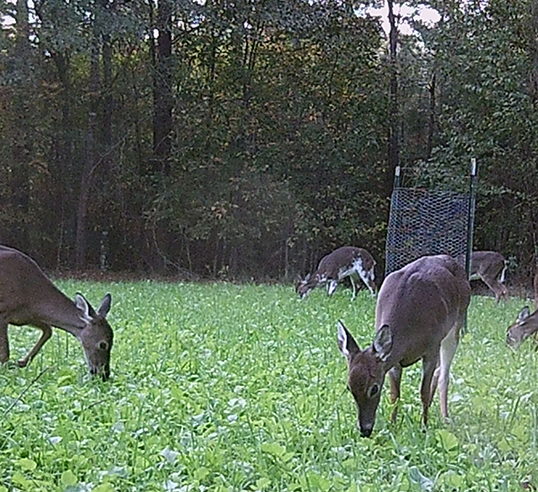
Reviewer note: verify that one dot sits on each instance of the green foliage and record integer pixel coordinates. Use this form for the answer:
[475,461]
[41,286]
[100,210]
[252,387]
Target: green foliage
[487,110]
[279,134]
[228,387]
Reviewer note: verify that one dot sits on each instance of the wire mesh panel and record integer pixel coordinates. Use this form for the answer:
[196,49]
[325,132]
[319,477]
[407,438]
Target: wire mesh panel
[428,222]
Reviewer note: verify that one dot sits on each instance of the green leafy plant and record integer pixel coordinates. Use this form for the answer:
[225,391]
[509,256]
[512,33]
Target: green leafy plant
[242,387]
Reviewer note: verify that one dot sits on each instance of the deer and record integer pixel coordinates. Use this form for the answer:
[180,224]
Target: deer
[526,324]
[347,261]
[490,267]
[419,313]
[28,297]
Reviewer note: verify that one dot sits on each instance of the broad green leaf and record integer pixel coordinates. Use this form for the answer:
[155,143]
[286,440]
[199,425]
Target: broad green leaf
[68,478]
[27,464]
[201,473]
[262,483]
[20,480]
[448,440]
[273,448]
[451,479]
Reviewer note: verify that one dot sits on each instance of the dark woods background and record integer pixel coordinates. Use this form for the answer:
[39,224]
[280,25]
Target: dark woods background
[246,139]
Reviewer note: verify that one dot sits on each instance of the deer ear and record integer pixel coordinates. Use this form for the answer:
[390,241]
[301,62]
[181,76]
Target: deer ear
[383,342]
[104,308]
[524,314]
[83,305]
[346,343]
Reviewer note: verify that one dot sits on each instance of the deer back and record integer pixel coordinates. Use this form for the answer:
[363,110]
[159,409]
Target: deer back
[421,303]
[344,258]
[488,264]
[27,296]
[336,265]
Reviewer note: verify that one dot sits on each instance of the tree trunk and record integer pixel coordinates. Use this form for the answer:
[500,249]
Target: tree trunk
[63,168]
[90,160]
[160,164]
[394,110]
[534,53]
[431,118]
[20,170]
[162,93]
[106,158]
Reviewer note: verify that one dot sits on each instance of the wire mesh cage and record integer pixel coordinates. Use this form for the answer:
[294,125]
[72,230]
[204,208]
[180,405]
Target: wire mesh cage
[429,222]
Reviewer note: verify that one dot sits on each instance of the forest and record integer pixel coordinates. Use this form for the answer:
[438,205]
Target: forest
[245,139]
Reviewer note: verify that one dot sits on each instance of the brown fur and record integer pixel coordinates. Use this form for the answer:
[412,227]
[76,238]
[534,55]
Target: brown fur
[336,266]
[420,310]
[526,323]
[28,297]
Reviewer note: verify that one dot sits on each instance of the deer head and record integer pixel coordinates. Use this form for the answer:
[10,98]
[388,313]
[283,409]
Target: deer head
[304,286]
[525,326]
[366,373]
[97,336]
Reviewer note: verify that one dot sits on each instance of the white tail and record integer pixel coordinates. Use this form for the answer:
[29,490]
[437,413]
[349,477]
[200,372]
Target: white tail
[490,267]
[28,297]
[420,311]
[347,261]
[526,323]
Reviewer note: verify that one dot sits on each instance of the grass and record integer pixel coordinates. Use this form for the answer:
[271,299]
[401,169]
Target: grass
[221,387]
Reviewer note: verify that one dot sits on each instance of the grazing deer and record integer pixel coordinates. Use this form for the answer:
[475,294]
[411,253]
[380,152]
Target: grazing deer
[420,311]
[490,267]
[526,323]
[28,297]
[347,261]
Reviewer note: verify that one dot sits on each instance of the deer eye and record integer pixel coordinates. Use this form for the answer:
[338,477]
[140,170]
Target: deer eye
[102,345]
[374,389]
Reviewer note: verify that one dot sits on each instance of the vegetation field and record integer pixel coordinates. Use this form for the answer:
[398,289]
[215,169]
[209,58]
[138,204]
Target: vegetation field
[221,387]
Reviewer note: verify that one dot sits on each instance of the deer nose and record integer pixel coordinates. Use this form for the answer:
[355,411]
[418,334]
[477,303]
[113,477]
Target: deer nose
[365,430]
[103,372]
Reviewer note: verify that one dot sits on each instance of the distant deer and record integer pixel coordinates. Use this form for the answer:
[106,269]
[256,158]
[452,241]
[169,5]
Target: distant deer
[420,311]
[490,267]
[526,323]
[347,261]
[28,297]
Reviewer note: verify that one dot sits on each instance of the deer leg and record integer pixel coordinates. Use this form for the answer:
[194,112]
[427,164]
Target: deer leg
[368,278]
[4,343]
[497,288]
[504,294]
[429,365]
[395,378]
[331,287]
[501,292]
[353,286]
[47,332]
[448,349]
[434,383]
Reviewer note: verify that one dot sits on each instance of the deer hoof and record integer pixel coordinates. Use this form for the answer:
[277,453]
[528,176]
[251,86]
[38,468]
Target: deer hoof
[22,363]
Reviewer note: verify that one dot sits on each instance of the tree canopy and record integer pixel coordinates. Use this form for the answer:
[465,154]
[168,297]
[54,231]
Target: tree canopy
[246,139]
